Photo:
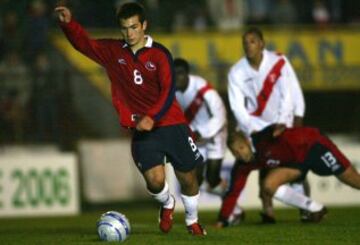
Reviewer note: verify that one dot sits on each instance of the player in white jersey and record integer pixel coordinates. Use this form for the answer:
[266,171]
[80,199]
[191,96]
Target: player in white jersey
[260,95]
[263,90]
[206,116]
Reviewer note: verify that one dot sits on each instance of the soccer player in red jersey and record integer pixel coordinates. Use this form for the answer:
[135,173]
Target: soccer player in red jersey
[290,156]
[143,93]
[263,90]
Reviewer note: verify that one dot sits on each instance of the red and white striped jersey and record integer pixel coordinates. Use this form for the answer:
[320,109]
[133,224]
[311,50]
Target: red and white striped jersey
[203,107]
[266,96]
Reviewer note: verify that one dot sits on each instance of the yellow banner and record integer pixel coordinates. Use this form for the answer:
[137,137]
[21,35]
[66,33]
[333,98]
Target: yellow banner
[322,59]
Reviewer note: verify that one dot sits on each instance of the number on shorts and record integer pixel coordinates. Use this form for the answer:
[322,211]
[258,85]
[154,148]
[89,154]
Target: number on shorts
[137,77]
[329,159]
[192,144]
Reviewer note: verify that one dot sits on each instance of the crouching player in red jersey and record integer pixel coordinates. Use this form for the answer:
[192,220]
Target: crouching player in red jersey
[291,155]
[143,93]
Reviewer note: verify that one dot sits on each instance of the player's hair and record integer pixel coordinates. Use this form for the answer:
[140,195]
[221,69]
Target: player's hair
[131,9]
[180,62]
[254,30]
[236,136]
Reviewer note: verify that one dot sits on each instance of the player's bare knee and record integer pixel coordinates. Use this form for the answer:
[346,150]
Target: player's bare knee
[214,181]
[155,184]
[262,193]
[268,191]
[189,187]
[269,188]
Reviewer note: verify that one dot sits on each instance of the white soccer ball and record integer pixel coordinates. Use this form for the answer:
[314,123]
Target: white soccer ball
[113,226]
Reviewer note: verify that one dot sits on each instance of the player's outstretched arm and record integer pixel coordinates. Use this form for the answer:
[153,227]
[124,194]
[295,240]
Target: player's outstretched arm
[79,38]
[63,14]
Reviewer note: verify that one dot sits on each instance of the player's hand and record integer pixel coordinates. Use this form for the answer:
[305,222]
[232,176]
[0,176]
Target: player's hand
[298,121]
[197,135]
[278,130]
[146,123]
[63,13]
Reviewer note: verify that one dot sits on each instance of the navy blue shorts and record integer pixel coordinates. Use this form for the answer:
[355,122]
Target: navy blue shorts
[174,142]
[323,159]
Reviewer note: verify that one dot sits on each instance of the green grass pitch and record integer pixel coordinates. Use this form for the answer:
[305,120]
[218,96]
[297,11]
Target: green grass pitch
[341,226]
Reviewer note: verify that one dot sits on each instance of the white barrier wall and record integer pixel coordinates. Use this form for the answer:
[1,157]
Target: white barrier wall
[109,174]
[38,184]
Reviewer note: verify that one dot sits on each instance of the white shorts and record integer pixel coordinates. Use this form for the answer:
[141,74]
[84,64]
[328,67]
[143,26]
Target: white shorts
[215,147]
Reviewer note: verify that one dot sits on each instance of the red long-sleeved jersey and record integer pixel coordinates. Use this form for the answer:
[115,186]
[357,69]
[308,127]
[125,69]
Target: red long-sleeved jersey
[141,83]
[293,146]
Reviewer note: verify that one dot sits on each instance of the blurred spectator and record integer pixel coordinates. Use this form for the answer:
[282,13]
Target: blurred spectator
[37,25]
[283,13]
[259,11]
[11,38]
[352,11]
[179,21]
[14,87]
[336,10]
[303,11]
[227,14]
[118,3]
[320,13]
[45,97]
[153,12]
[201,20]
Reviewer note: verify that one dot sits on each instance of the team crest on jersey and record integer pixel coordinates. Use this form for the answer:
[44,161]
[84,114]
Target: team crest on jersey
[150,66]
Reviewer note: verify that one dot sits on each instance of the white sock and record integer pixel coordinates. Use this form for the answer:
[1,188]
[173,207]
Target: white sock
[218,190]
[191,208]
[164,197]
[237,210]
[288,196]
[298,187]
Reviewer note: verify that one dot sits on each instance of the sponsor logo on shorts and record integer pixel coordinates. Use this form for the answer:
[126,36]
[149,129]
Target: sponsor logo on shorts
[272,162]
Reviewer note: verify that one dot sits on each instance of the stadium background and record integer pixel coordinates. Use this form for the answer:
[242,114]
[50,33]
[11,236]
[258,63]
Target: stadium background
[58,131]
